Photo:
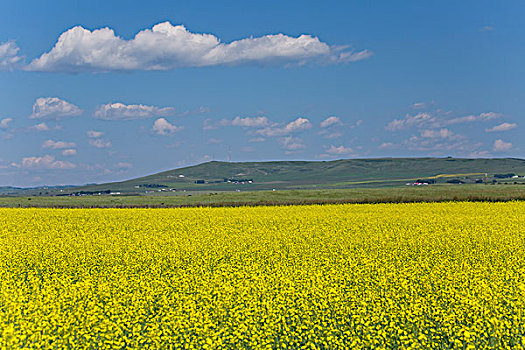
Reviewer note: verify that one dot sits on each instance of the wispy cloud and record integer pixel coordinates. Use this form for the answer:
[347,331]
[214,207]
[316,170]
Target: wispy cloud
[419,105]
[99,143]
[502,127]
[69,152]
[474,118]
[166,46]
[58,144]
[339,150]
[410,121]
[4,123]
[438,120]
[94,134]
[120,111]
[291,144]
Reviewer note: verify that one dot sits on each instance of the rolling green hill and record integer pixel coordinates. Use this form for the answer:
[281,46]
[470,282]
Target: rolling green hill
[345,173]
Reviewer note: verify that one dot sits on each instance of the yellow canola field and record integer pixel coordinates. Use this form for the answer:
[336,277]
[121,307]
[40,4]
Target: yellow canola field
[440,275]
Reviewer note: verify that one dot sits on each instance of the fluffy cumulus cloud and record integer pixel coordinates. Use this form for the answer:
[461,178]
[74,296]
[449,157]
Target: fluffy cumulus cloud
[58,144]
[330,121]
[45,162]
[298,124]
[120,111]
[54,108]
[250,122]
[502,127]
[4,123]
[166,46]
[163,127]
[9,58]
[501,146]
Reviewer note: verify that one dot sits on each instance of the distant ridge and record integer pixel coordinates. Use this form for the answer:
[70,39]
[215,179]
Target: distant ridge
[343,173]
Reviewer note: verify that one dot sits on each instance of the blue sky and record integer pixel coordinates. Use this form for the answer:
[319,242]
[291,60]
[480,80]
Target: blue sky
[133,88]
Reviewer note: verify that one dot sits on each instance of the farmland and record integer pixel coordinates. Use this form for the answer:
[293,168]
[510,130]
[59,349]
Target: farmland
[416,275]
[434,193]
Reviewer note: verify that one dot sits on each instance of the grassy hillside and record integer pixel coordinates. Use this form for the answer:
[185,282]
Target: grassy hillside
[346,173]
[291,175]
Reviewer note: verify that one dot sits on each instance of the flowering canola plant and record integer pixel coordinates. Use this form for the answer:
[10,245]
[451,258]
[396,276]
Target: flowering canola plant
[372,276]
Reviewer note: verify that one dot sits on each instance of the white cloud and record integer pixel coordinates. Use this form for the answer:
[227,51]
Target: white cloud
[4,123]
[428,120]
[339,150]
[501,146]
[250,122]
[9,58]
[54,108]
[474,118]
[479,154]
[441,141]
[58,144]
[200,110]
[439,134]
[40,127]
[299,124]
[486,29]
[419,105]
[69,152]
[120,111]
[502,127]
[410,121]
[257,139]
[45,162]
[163,127]
[208,124]
[386,145]
[167,47]
[94,134]
[330,121]
[99,143]
[291,144]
